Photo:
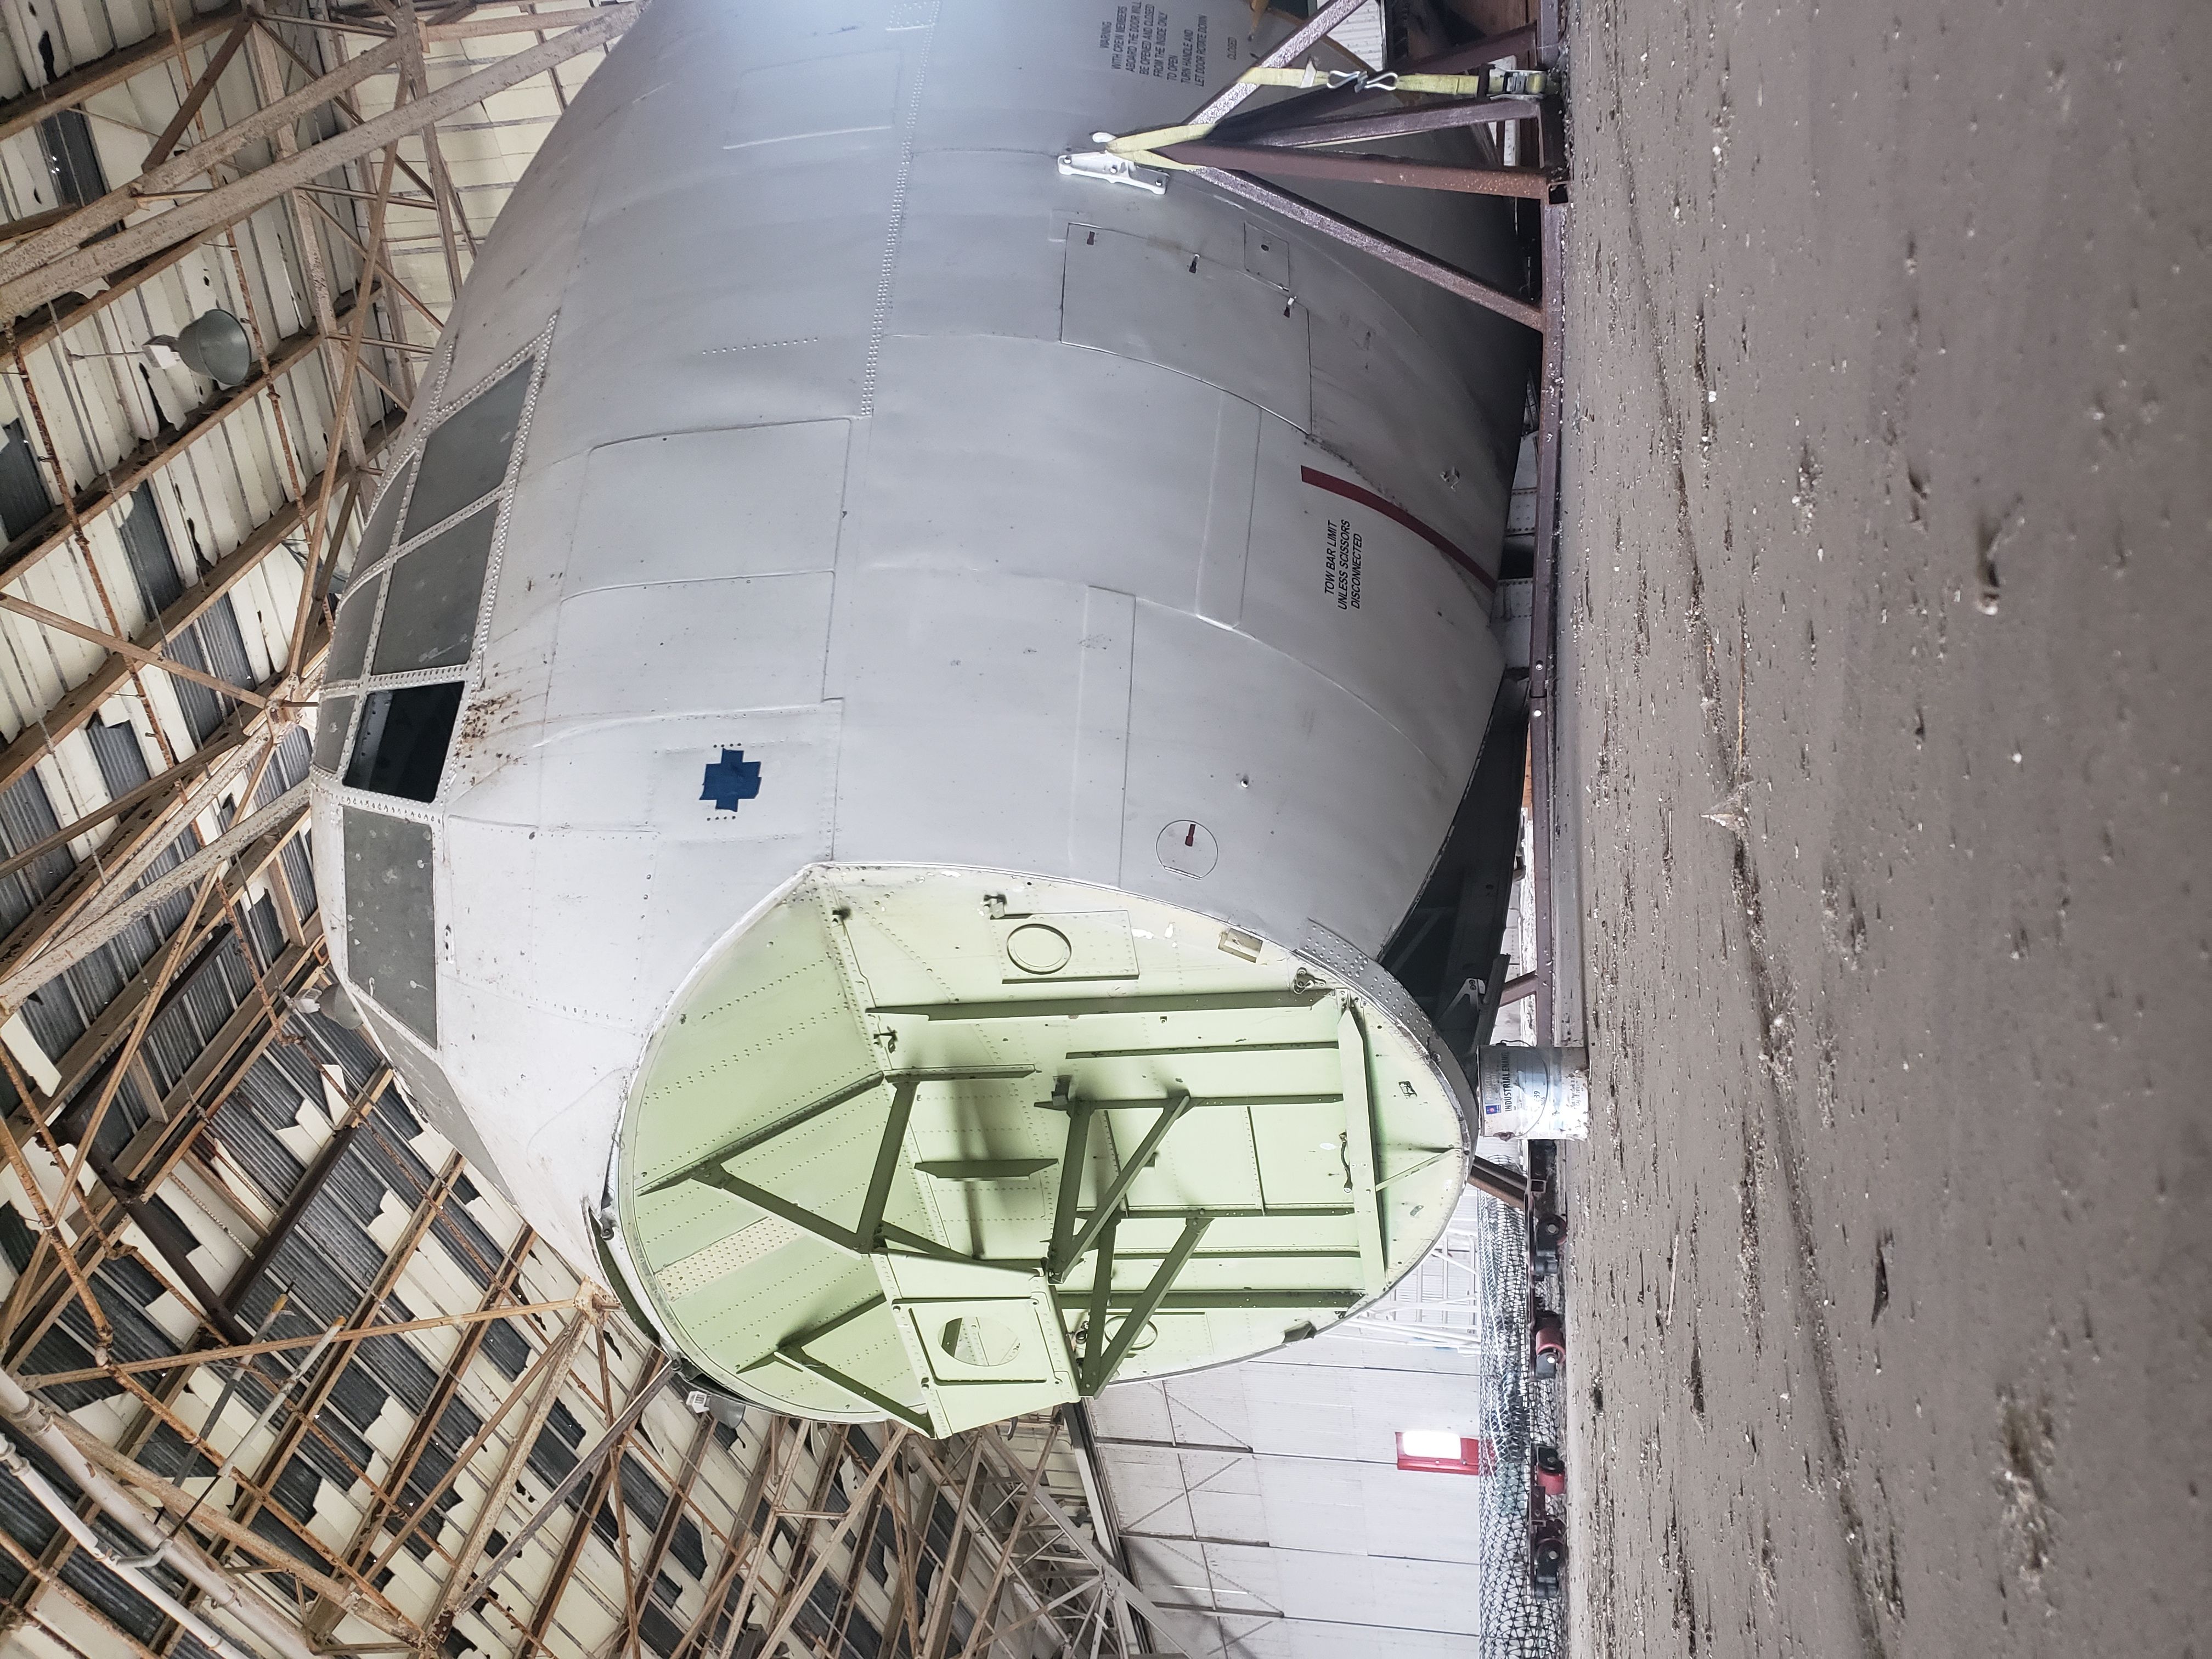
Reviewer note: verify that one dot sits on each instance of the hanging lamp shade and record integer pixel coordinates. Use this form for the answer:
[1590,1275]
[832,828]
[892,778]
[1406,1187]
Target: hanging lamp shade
[213,345]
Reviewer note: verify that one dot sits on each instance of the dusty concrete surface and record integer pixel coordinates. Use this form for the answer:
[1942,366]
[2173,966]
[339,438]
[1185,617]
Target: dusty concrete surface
[1888,497]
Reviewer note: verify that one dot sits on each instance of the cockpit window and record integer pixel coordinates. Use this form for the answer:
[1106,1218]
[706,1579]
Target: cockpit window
[391,932]
[350,644]
[404,733]
[466,456]
[332,720]
[415,615]
[430,618]
[376,539]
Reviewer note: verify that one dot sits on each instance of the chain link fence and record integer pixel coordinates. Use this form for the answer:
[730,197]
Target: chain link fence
[1520,1412]
[1471,1295]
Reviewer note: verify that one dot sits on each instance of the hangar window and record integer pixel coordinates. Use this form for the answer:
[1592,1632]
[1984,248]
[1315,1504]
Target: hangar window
[1439,1451]
[72,158]
[466,456]
[24,503]
[430,614]
[404,733]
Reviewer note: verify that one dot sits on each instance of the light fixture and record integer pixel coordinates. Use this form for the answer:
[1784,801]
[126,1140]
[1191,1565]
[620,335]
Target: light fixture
[213,344]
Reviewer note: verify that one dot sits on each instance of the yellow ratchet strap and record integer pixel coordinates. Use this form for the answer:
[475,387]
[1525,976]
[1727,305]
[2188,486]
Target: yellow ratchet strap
[1456,86]
[1144,147]
[1139,147]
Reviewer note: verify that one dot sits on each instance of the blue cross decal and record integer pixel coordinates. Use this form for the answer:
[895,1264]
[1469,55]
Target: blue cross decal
[731,780]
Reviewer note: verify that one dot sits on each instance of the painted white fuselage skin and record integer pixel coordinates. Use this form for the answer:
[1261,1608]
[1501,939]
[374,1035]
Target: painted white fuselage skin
[999,517]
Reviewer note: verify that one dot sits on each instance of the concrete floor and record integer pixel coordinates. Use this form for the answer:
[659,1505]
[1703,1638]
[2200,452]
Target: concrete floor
[1887,621]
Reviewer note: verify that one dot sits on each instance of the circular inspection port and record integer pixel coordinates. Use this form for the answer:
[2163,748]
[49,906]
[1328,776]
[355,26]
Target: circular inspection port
[1188,848]
[984,1343]
[1034,948]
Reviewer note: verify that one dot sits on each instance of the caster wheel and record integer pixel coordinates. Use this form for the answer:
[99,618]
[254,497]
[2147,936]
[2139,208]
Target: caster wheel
[1551,1233]
[1549,1470]
[1547,1560]
[1549,1346]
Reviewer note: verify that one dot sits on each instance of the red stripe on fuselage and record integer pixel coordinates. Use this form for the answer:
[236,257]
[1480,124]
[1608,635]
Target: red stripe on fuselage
[1352,492]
